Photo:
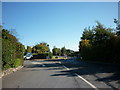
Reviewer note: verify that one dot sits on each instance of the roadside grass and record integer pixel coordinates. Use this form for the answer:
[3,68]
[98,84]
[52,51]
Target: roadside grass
[57,58]
[35,54]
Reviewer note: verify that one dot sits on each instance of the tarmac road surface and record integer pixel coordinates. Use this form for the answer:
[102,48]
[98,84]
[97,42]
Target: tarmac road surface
[53,74]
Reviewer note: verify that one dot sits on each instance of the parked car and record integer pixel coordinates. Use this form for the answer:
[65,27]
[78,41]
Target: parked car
[28,55]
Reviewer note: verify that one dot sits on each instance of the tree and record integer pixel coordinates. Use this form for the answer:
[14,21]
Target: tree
[69,52]
[19,50]
[0,31]
[87,34]
[41,48]
[56,51]
[12,52]
[0,45]
[50,55]
[34,50]
[63,51]
[85,49]
[118,26]
[100,43]
[29,49]
[102,34]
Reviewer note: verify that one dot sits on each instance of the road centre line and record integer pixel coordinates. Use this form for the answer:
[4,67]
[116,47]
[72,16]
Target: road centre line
[83,79]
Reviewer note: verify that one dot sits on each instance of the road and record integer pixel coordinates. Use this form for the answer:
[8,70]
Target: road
[58,74]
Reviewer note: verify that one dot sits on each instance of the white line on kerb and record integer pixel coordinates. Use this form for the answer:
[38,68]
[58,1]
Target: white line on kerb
[83,79]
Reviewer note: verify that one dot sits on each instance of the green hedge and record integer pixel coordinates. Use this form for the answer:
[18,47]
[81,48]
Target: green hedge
[100,44]
[17,63]
[12,51]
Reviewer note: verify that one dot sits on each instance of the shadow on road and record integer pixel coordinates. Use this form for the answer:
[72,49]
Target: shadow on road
[103,72]
[85,68]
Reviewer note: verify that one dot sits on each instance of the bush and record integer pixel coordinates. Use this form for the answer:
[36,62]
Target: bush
[17,63]
[50,55]
[56,57]
[40,56]
[12,51]
[102,45]
[7,53]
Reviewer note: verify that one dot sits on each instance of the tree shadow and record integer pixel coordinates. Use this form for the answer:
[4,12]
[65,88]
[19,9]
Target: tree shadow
[88,68]
[46,65]
[103,72]
[114,77]
[106,73]
[55,60]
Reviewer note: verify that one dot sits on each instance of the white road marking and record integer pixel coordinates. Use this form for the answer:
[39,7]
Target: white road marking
[75,74]
[38,63]
[66,67]
[43,65]
[83,79]
[87,82]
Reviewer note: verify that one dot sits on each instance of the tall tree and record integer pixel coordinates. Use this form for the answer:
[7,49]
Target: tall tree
[87,34]
[29,49]
[69,52]
[101,44]
[118,26]
[56,51]
[63,51]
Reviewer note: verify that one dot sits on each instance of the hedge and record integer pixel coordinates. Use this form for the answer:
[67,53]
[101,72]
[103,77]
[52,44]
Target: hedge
[12,51]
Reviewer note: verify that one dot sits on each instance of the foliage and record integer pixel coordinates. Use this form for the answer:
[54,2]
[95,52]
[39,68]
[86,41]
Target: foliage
[40,51]
[87,34]
[57,57]
[29,49]
[50,55]
[63,51]
[17,62]
[100,43]
[118,26]
[41,48]
[69,52]
[0,47]
[56,51]
[0,31]
[11,50]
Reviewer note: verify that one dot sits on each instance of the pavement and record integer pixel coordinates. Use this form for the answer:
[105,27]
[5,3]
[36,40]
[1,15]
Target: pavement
[63,74]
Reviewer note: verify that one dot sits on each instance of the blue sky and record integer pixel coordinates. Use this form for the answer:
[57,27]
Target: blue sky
[59,24]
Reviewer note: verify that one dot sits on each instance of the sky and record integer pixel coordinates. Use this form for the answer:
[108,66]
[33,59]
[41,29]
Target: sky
[56,23]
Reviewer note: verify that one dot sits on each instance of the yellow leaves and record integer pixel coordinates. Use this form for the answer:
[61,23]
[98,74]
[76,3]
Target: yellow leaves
[85,43]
